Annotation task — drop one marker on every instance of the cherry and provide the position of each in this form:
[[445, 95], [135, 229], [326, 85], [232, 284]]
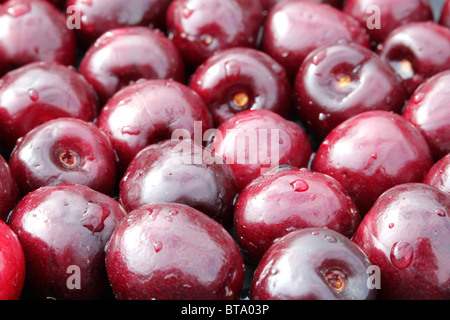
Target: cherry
[[286, 199], [269, 4], [180, 172], [63, 231], [417, 51], [294, 28], [313, 264], [183, 255], [34, 30], [372, 152], [444, 18], [9, 193], [240, 79], [39, 92], [64, 151], [406, 235], [198, 33], [339, 81], [439, 174], [150, 111]]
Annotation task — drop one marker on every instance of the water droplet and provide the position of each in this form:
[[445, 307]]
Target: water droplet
[[374, 156], [157, 246], [322, 116], [33, 94], [401, 254], [300, 185], [285, 54], [315, 233], [131, 131], [418, 97], [391, 225], [187, 12], [440, 212], [173, 212], [232, 69], [330, 238], [18, 9], [319, 57]]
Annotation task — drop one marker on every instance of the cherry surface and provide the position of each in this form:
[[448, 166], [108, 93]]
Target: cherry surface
[[287, 199], [239, 79], [64, 151], [121, 56], [439, 174], [34, 30], [171, 251], [372, 152], [39, 92], [198, 33], [444, 18], [9, 193], [62, 229], [406, 235], [429, 110], [339, 81], [313, 264], [269, 4], [160, 173]]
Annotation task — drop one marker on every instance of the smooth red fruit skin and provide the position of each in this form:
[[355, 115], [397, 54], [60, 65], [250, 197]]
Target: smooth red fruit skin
[[294, 28], [160, 173], [12, 268], [121, 56], [269, 4], [65, 227], [285, 200], [423, 46], [390, 14], [9, 193], [304, 265], [225, 75], [38, 158], [34, 30], [323, 101], [171, 251], [445, 14], [429, 110], [150, 111], [372, 152], [39, 92], [439, 174], [197, 32], [255, 141], [101, 16], [406, 235]]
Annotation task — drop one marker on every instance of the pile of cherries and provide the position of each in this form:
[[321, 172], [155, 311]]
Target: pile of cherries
[[138, 137]]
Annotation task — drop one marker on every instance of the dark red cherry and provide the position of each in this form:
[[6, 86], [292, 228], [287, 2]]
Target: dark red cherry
[[182, 255], [444, 18], [269, 4], [429, 110], [39, 92], [417, 51], [339, 81], [284, 200], [313, 264], [63, 231], [439, 174], [406, 235], [255, 141], [372, 152], [9, 193], [239, 79], [98, 16], [64, 151], [180, 172], [12, 268], [121, 56], [199, 28], [294, 28], [149, 111], [34, 30]]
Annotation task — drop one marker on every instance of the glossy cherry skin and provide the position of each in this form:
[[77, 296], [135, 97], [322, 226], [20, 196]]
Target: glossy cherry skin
[[198, 33], [255, 141], [294, 28], [39, 92], [390, 14], [121, 56], [9, 193], [286, 199], [339, 81], [100, 16], [269, 4], [372, 152], [417, 51], [406, 235], [439, 174], [239, 79], [64, 151], [429, 110], [62, 227], [312, 264], [159, 173], [150, 111], [182, 255], [444, 18], [34, 31]]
